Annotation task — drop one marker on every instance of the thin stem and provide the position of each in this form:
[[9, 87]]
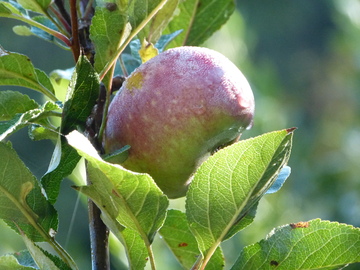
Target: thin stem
[[63, 254], [46, 29], [75, 42], [133, 34], [123, 67], [106, 106], [59, 27], [46, 115], [61, 19]]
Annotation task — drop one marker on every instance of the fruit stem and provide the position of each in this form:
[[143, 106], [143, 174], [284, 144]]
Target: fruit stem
[[106, 106]]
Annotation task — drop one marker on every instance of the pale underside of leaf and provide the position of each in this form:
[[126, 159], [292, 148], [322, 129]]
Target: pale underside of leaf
[[126, 199]]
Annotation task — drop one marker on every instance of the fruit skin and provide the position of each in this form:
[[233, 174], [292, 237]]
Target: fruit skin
[[175, 110]]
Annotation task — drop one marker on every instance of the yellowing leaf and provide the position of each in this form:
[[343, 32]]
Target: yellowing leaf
[[147, 51]]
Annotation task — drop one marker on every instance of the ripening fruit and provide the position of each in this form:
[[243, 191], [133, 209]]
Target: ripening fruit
[[175, 110]]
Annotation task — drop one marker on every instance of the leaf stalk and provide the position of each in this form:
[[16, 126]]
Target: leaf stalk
[[46, 29]]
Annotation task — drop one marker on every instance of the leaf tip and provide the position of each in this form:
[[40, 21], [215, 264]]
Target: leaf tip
[[290, 130]]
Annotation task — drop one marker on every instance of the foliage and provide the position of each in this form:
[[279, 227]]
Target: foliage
[[225, 191]]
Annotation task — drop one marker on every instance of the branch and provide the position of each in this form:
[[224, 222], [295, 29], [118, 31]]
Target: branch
[[99, 235], [75, 42]]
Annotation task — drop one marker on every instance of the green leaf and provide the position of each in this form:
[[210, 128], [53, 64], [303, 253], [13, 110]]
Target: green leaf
[[17, 69], [22, 30], [41, 33], [9, 262], [140, 9], [60, 80], [107, 31], [199, 19], [39, 6], [119, 156], [63, 162], [178, 237], [164, 40], [315, 244], [15, 106], [135, 249], [37, 132], [13, 102], [135, 246], [22, 204], [44, 80], [246, 217], [133, 61], [81, 96], [230, 183], [126, 198], [153, 30], [44, 259], [7, 8], [29, 117]]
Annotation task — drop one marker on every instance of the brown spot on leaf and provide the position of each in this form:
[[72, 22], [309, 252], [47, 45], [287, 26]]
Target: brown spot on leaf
[[115, 193], [275, 263], [183, 244], [300, 224]]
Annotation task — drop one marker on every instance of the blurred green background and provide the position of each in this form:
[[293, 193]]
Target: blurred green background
[[302, 59]]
